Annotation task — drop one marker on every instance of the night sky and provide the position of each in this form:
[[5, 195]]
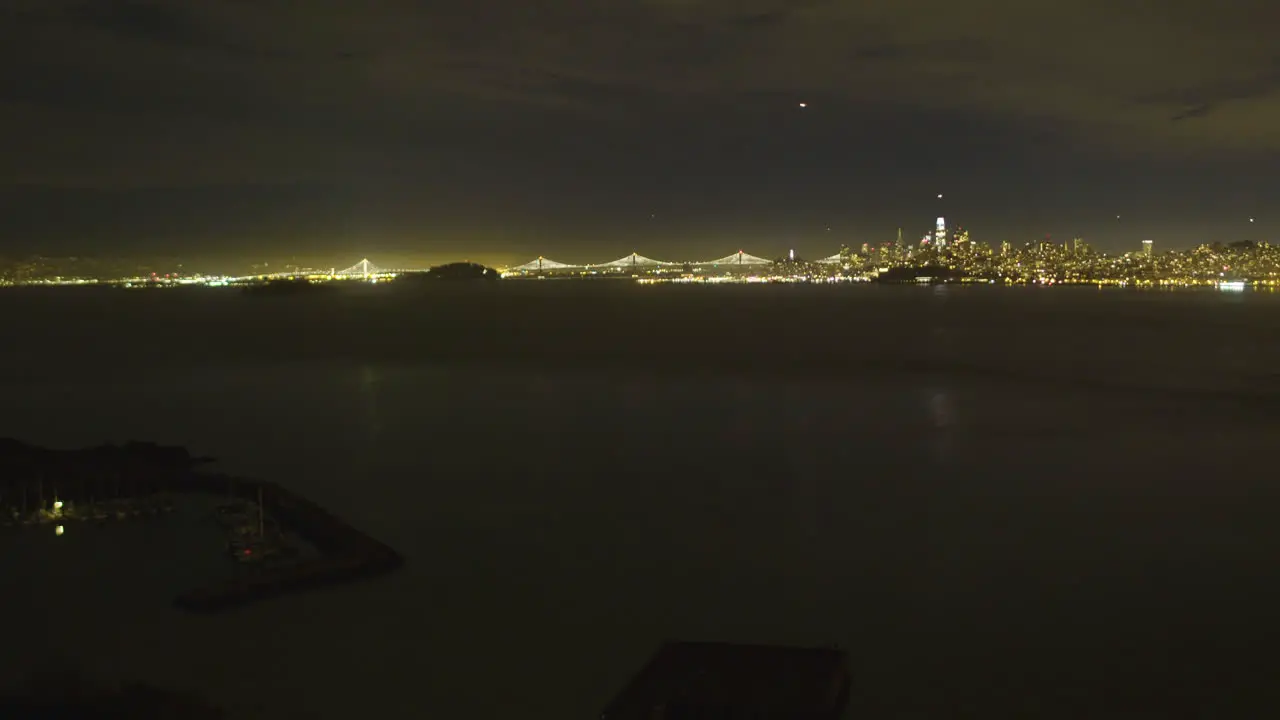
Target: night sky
[[585, 129]]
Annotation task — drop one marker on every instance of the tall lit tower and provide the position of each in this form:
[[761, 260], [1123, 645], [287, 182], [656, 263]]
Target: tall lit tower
[[1148, 248], [940, 233]]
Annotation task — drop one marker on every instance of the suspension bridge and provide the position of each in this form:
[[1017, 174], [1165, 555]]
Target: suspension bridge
[[638, 261], [365, 269]]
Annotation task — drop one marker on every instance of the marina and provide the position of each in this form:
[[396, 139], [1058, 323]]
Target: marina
[[288, 543]]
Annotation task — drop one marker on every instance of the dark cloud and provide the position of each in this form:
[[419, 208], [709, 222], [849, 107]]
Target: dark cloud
[[1111, 70], [166, 93], [168, 24]]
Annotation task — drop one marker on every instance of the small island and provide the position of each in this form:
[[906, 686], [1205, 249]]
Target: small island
[[460, 271]]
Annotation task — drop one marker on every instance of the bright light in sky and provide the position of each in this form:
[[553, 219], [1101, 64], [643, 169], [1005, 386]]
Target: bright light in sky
[[939, 196], [804, 105]]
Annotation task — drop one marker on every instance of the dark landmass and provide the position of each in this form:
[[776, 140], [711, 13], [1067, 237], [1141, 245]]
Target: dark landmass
[[19, 460], [456, 271]]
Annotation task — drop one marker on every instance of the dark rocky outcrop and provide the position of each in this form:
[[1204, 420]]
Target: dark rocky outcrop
[[461, 271]]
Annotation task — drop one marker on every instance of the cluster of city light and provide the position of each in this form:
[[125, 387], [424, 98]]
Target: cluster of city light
[[1230, 267], [937, 257], [638, 261], [54, 281], [746, 279]]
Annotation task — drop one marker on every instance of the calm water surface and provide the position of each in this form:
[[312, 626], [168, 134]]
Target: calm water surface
[[1002, 502]]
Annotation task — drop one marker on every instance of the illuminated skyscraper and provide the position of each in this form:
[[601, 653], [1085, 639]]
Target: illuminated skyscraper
[[1148, 248], [1077, 246], [1005, 247], [940, 233]]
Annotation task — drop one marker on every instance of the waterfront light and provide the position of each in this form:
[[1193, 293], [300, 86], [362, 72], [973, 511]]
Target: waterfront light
[[58, 530]]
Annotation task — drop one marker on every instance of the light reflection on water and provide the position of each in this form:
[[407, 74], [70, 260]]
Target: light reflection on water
[[947, 529]]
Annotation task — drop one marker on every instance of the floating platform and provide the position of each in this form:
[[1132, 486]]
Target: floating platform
[[141, 470], [723, 681]]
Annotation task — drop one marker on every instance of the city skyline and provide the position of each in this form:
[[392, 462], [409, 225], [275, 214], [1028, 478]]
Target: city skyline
[[209, 130], [812, 252], [953, 258]]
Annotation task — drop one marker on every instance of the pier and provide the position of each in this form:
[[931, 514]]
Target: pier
[[37, 483]]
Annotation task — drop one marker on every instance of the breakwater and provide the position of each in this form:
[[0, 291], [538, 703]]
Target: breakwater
[[346, 554], [32, 478]]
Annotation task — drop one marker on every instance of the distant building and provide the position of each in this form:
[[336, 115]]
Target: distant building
[[940, 233], [1005, 247], [1077, 246], [1148, 248]]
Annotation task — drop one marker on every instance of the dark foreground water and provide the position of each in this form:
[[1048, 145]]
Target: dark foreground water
[[1004, 502]]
